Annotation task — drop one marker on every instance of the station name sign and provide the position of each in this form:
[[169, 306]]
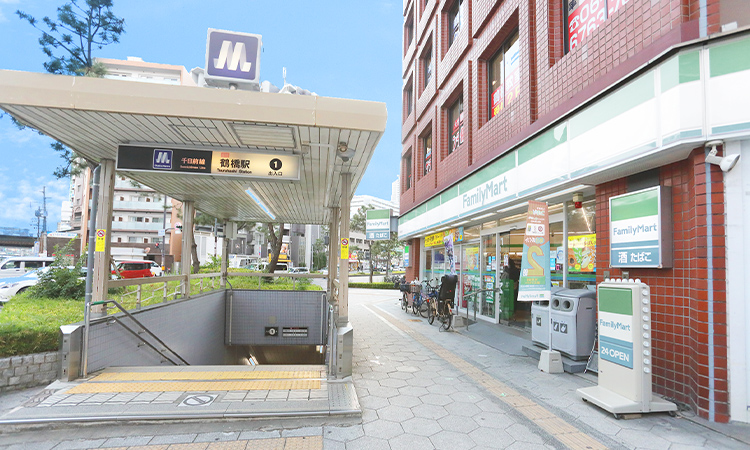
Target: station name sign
[[269, 166]]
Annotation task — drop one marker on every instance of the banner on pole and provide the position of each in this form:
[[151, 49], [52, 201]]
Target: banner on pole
[[535, 280]]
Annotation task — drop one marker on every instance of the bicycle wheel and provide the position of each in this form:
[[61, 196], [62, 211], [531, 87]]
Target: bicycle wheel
[[416, 302], [424, 308], [405, 302], [431, 313]]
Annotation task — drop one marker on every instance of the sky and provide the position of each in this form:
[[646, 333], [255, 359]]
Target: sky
[[345, 49]]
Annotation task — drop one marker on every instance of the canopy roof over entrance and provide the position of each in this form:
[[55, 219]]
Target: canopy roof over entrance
[[94, 116]]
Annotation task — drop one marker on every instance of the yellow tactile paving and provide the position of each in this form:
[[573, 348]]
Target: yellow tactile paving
[[207, 375], [564, 432], [304, 443], [181, 386]]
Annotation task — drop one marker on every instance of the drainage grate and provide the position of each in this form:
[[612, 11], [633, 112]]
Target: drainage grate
[[198, 400]]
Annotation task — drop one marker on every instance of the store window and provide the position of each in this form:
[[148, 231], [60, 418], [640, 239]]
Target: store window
[[427, 149], [488, 269], [504, 76], [581, 257], [456, 125], [454, 21]]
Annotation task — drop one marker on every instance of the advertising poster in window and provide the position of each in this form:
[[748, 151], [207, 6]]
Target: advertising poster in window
[[582, 253], [498, 100], [512, 73], [584, 17], [427, 160], [457, 137], [535, 281]]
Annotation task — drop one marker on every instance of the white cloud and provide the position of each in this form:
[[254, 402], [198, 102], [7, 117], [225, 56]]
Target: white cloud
[[3, 18], [23, 136]]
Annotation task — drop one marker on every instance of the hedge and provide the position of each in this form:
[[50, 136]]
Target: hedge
[[32, 325], [372, 285]]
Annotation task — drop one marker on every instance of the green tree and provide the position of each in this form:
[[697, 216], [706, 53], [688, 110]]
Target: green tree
[[61, 280], [359, 224], [69, 41], [320, 258]]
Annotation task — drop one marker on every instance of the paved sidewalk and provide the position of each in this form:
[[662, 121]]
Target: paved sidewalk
[[419, 389]]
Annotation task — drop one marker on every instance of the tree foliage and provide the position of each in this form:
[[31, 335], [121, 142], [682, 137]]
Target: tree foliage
[[61, 280], [359, 224], [69, 41]]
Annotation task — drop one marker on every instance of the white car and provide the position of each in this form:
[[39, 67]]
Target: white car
[[299, 270], [156, 269], [12, 286]]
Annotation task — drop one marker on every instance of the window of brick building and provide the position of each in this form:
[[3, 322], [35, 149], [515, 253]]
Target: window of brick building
[[583, 17], [456, 125], [504, 76], [426, 67], [454, 21], [427, 151], [408, 30], [409, 99], [407, 171]]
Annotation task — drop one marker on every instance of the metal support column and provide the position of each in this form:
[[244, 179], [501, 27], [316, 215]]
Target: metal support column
[[188, 213], [225, 254], [333, 248], [90, 273], [346, 181], [345, 332], [565, 245], [102, 256]]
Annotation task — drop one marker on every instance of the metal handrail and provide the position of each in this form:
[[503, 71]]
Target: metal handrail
[[474, 301], [130, 316]]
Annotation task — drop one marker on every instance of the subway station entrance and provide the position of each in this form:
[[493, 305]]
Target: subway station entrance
[[240, 156]]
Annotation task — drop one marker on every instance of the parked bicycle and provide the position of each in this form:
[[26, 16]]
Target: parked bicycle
[[442, 307]]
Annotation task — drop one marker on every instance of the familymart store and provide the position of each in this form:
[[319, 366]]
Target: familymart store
[[678, 127]]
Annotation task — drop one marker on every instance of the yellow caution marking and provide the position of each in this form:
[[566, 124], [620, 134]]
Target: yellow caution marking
[[178, 386], [207, 375]]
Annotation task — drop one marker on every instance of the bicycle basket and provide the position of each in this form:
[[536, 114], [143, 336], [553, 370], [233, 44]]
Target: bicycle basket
[[414, 288]]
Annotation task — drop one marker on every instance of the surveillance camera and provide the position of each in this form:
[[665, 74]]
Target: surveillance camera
[[726, 163]]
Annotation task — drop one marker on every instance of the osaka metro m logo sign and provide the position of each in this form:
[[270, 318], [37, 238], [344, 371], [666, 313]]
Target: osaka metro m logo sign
[[162, 159], [231, 55]]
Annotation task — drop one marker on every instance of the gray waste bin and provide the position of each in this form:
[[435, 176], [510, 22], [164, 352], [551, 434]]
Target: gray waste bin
[[573, 317], [540, 320]]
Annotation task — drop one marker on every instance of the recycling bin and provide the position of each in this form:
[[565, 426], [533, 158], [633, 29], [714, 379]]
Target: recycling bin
[[573, 317], [540, 320]]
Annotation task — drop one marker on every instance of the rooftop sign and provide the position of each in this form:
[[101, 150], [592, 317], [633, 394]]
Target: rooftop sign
[[233, 57], [270, 166]]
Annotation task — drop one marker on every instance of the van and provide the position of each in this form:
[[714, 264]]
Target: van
[[16, 266], [280, 267]]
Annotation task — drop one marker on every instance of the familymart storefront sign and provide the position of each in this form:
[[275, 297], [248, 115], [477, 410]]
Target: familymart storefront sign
[[640, 228]]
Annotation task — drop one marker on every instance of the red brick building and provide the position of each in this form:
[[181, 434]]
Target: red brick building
[[573, 102]]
